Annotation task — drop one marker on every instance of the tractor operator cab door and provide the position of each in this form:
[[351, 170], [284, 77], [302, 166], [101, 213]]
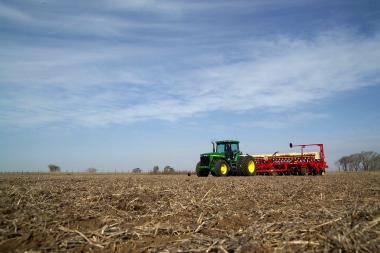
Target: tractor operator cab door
[[234, 149], [229, 149]]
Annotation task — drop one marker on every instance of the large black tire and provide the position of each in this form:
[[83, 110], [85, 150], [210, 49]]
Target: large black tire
[[201, 173], [249, 166], [222, 168], [303, 171], [239, 169]]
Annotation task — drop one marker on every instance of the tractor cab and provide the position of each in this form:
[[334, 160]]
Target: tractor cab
[[229, 148]]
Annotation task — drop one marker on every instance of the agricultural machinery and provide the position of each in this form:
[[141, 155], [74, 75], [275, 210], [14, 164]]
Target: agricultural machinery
[[303, 163], [227, 159]]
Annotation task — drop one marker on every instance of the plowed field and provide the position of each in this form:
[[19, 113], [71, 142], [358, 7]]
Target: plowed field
[[127, 213]]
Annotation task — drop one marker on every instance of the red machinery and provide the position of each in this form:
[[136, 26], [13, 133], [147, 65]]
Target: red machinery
[[312, 163]]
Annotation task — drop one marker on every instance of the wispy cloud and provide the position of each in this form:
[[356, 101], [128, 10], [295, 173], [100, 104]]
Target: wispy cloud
[[120, 70], [7, 12]]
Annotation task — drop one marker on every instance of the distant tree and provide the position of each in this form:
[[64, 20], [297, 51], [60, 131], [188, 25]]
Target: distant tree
[[354, 162], [136, 170], [54, 168], [374, 163], [364, 161], [168, 169], [369, 160], [339, 165], [91, 170], [156, 169]]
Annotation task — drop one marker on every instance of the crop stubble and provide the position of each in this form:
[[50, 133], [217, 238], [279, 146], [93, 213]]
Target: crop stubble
[[126, 213]]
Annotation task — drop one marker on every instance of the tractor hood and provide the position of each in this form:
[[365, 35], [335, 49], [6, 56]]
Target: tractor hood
[[213, 154]]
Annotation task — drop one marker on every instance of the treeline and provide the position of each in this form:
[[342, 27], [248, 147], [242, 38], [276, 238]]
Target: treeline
[[156, 170], [364, 161], [167, 170], [56, 168]]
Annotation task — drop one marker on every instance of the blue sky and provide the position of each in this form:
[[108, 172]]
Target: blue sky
[[124, 84]]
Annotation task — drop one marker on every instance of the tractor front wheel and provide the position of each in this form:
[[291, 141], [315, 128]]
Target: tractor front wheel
[[221, 168], [200, 172]]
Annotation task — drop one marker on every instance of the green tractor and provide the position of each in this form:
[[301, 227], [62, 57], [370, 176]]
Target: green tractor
[[224, 160]]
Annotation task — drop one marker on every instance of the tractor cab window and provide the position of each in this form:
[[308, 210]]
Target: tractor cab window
[[220, 148], [227, 148], [235, 148]]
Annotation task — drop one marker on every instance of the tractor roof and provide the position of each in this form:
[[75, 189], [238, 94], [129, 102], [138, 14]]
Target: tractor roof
[[224, 141]]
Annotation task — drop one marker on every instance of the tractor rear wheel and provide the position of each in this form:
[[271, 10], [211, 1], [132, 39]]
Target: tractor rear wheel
[[249, 166], [200, 172], [239, 169], [221, 168]]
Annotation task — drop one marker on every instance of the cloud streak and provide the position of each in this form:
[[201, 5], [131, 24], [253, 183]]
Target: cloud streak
[[137, 74]]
